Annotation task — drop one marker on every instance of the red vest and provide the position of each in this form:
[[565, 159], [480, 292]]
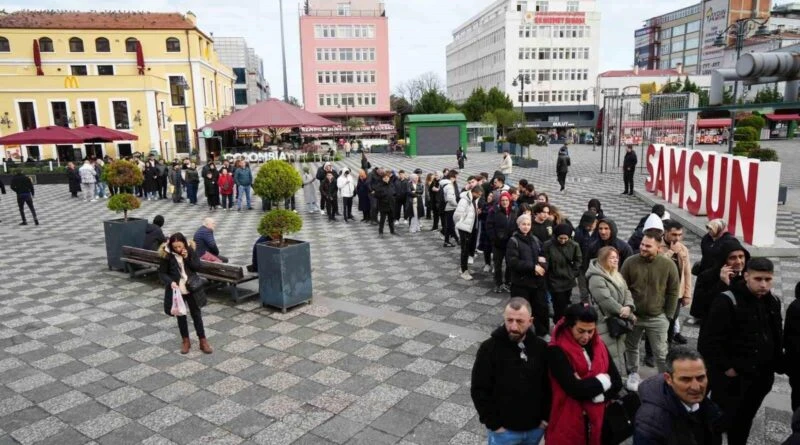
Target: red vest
[[567, 425]]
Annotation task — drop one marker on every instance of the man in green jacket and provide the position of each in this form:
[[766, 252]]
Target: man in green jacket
[[654, 283]]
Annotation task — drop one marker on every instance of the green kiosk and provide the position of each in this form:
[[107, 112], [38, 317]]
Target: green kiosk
[[435, 134]]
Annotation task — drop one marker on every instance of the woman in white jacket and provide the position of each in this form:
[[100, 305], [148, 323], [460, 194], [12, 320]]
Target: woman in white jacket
[[466, 220], [506, 165], [347, 188]]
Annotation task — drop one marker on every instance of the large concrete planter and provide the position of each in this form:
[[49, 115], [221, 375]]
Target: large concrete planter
[[488, 146], [525, 163], [118, 233], [284, 274]]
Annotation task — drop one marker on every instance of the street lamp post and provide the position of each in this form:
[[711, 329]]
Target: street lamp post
[[740, 28], [184, 86], [594, 96], [522, 80]]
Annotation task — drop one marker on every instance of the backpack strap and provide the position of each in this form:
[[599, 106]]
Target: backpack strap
[[730, 295]]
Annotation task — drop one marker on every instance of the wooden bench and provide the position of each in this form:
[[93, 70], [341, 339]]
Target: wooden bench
[[141, 261]]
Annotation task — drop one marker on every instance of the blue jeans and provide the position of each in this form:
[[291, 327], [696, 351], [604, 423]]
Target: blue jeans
[[531, 437], [191, 192], [100, 189], [243, 190]]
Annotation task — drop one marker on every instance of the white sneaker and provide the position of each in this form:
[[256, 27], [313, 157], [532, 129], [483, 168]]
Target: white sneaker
[[470, 260], [487, 268], [633, 382], [93, 200], [466, 276], [322, 212]]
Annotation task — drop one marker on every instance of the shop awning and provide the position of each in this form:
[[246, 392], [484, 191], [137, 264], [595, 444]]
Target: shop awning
[[713, 123], [96, 133], [783, 117], [43, 135], [272, 113], [653, 124]]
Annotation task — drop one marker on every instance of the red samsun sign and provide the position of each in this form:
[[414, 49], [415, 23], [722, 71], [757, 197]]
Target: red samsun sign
[[742, 191]]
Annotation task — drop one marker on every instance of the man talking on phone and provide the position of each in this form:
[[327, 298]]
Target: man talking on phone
[[728, 267]]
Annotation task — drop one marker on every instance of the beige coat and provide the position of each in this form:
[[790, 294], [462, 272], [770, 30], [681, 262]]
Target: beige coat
[[684, 266]]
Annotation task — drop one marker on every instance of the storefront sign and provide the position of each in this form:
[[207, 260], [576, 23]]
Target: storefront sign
[[261, 156], [742, 191], [560, 18], [715, 20]]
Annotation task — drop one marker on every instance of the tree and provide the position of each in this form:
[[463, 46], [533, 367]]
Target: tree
[[412, 90], [768, 95], [401, 107], [502, 118], [294, 101], [354, 123], [498, 100], [476, 105], [433, 102]]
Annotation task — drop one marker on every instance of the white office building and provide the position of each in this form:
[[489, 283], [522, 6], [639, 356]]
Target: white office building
[[554, 44], [250, 87]]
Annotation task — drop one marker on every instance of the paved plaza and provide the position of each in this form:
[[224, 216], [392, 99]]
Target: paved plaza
[[382, 356]]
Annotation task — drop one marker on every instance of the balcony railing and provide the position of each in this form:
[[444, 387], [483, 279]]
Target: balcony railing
[[380, 12]]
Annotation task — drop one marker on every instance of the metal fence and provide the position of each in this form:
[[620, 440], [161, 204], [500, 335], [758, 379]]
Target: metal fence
[[628, 121]]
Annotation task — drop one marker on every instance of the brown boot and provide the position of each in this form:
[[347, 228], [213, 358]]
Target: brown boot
[[185, 345], [205, 347]]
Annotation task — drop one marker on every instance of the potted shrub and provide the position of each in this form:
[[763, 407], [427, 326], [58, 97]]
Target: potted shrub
[[488, 144], [525, 137], [124, 231], [284, 265]]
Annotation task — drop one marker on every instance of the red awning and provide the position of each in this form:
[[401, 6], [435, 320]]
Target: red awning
[[95, 133], [37, 58], [271, 113], [783, 117], [44, 135], [713, 123], [140, 58], [654, 124]]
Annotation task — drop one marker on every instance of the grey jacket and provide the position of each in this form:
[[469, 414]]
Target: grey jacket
[[609, 297]]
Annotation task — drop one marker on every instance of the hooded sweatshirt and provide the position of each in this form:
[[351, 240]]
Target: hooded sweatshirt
[[708, 285], [622, 247], [346, 184], [654, 284], [794, 439]]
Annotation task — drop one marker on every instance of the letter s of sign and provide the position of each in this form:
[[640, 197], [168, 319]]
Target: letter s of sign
[[71, 82], [650, 158], [695, 204]]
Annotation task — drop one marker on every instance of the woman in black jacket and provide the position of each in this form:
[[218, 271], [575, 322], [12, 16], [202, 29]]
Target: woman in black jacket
[[526, 261], [179, 262], [74, 179]]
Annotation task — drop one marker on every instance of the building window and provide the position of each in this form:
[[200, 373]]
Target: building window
[[130, 44], [121, 121], [677, 46], [124, 150], [75, 45], [241, 76], [675, 62], [27, 115], [343, 9], [105, 70], [181, 138], [33, 152], [46, 45], [78, 70], [240, 97], [101, 45], [89, 113], [691, 60], [176, 89], [5, 47], [173, 45], [678, 30], [542, 6], [60, 116], [572, 5], [346, 54], [692, 43]]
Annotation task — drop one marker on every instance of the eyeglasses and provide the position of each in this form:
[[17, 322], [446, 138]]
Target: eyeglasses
[[522, 354]]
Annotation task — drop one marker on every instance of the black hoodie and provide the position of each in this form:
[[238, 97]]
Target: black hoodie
[[708, 285], [508, 391], [794, 439], [594, 246], [662, 418], [791, 336]]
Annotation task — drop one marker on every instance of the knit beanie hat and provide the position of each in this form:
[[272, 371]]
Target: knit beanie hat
[[562, 229]]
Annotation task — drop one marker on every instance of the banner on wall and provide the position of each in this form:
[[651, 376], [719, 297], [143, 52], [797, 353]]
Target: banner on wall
[[742, 191], [715, 20]]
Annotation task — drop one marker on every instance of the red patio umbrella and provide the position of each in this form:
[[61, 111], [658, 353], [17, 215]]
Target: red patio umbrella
[[37, 58], [96, 133], [139, 58], [271, 113], [44, 135]]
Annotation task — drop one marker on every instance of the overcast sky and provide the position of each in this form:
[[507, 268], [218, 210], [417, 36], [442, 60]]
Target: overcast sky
[[419, 30]]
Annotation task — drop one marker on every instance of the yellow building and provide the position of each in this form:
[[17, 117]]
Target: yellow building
[[155, 75]]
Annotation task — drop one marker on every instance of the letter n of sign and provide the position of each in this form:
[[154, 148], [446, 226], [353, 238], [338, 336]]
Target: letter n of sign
[[71, 82]]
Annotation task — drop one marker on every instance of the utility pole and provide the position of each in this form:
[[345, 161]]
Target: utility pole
[[283, 54]]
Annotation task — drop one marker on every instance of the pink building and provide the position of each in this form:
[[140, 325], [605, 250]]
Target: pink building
[[344, 46]]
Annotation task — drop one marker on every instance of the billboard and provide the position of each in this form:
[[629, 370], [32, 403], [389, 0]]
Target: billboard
[[715, 20], [644, 51]]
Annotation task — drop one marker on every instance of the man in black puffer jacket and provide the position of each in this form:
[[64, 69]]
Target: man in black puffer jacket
[[510, 383], [675, 408], [742, 341]]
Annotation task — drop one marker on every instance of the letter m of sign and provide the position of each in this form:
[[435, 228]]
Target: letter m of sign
[[71, 82]]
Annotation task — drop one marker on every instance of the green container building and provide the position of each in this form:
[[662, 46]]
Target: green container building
[[435, 134]]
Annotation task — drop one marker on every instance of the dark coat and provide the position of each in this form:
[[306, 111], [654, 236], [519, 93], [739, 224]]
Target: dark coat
[[563, 264], [522, 255], [663, 420], [205, 241], [791, 339], [329, 190], [630, 161], [562, 163], [362, 190], [500, 226], [74, 179], [794, 439], [708, 285], [22, 184], [211, 188], [507, 391], [622, 247], [415, 191], [150, 183], [384, 193], [169, 272], [709, 251], [747, 337], [153, 237], [365, 164]]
